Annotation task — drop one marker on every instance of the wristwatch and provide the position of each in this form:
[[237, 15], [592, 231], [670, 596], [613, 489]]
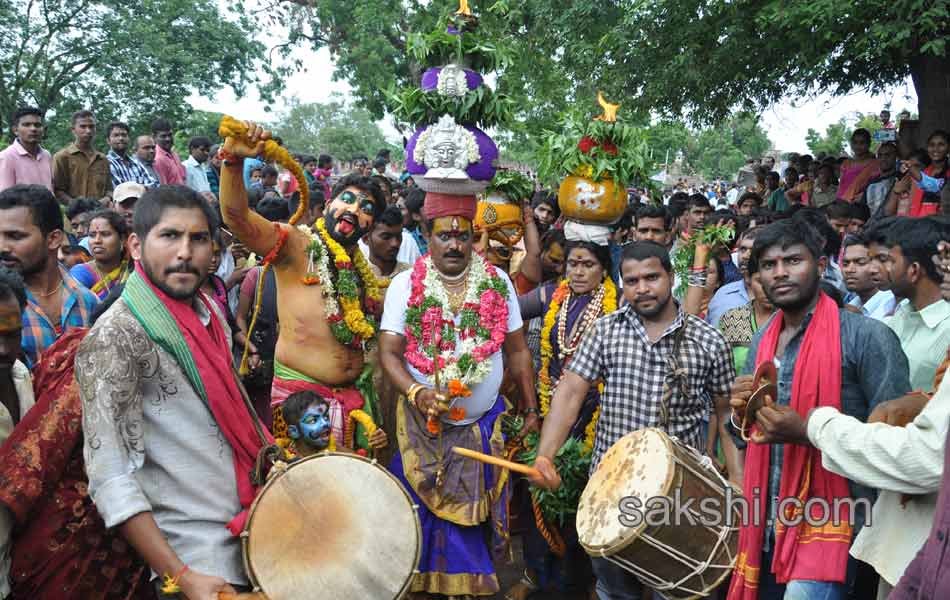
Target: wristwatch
[[531, 410]]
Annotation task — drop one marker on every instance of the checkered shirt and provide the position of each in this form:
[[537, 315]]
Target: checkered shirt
[[128, 169], [633, 369], [39, 332]]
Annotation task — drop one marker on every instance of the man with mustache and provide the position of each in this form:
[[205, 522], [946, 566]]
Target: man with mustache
[[824, 356], [170, 440], [455, 306], [328, 301], [31, 232], [631, 351]]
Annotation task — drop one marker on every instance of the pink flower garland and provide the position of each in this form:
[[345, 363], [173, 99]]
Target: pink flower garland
[[492, 315]]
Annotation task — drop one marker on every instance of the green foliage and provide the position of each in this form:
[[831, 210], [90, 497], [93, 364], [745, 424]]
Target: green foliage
[[561, 154], [479, 107], [711, 236], [335, 128], [469, 49], [834, 141], [124, 60], [511, 184], [573, 465]]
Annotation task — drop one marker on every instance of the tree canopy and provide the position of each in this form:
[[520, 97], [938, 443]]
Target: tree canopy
[[699, 59], [124, 60], [335, 127]]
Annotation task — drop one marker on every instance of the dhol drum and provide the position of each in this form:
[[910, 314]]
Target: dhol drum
[[680, 555], [332, 526]]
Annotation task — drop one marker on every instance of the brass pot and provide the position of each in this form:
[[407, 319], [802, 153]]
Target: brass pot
[[588, 201]]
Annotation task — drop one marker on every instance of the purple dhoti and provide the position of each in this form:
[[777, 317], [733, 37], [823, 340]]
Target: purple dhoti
[[465, 519]]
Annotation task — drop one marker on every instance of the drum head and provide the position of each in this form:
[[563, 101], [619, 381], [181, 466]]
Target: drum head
[[640, 465], [332, 526]]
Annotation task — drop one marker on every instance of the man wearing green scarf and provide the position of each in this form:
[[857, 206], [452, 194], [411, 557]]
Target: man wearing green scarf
[[170, 442]]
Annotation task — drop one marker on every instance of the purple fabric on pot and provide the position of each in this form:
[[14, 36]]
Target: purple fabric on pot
[[483, 170], [430, 79], [411, 165]]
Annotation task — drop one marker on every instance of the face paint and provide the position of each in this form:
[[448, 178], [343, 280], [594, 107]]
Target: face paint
[[349, 216], [452, 226], [314, 426]]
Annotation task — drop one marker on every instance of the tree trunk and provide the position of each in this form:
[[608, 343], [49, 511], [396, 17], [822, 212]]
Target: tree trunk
[[931, 76]]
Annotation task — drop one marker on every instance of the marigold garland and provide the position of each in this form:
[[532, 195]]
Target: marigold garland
[[545, 391], [351, 326]]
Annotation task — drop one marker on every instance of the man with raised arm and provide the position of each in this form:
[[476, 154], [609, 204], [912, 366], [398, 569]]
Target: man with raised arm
[[328, 302]]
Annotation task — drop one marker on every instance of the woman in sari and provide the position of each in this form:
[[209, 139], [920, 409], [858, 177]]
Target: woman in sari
[[569, 308], [926, 183], [858, 171], [110, 260]]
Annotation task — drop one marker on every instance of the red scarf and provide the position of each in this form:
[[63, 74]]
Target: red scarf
[[800, 552], [212, 355]]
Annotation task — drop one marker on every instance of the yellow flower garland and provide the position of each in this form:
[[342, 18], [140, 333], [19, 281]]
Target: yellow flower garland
[[353, 314], [547, 352]]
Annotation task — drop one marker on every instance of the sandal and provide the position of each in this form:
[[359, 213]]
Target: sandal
[[524, 589]]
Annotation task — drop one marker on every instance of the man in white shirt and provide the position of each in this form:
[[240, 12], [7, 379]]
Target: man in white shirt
[[196, 176]]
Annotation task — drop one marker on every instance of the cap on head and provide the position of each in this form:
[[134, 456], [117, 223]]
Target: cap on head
[[129, 190]]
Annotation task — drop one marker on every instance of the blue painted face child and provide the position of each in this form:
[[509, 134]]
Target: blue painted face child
[[313, 428]]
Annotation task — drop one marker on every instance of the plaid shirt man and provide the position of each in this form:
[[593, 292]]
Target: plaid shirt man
[[634, 369], [39, 332], [125, 169]]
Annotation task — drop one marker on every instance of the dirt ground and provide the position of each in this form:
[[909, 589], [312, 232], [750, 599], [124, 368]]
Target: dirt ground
[[510, 572]]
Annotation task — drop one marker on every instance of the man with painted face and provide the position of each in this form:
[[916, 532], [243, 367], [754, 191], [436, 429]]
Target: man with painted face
[[326, 306], [429, 311]]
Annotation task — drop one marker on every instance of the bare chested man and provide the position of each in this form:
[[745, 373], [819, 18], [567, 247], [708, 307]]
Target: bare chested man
[[312, 353]]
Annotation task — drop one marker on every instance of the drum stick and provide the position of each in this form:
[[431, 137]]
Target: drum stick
[[236, 596], [498, 462]]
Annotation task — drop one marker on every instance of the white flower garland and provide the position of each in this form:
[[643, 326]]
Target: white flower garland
[[331, 306]]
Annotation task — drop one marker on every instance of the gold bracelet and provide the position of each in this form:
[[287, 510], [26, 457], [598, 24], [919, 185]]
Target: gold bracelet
[[412, 392]]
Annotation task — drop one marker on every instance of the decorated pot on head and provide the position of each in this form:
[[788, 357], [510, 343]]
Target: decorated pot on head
[[500, 209], [449, 158], [607, 157], [583, 199], [449, 153]]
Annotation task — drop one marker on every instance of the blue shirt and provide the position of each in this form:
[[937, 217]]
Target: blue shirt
[[732, 295], [39, 332], [249, 165], [873, 370]]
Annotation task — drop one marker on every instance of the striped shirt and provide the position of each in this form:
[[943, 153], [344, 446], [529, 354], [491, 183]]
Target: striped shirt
[[123, 169], [39, 332]]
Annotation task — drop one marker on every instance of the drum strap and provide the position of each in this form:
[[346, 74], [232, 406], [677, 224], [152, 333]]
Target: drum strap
[[676, 378]]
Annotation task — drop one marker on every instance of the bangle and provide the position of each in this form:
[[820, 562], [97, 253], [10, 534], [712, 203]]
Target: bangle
[[170, 584], [412, 392]]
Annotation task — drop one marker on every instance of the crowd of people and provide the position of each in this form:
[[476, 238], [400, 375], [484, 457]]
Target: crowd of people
[[166, 322]]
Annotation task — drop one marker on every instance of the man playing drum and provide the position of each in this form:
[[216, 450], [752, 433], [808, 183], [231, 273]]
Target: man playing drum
[[660, 368], [327, 295], [455, 306]]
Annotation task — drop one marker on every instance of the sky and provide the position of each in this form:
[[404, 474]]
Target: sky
[[786, 123]]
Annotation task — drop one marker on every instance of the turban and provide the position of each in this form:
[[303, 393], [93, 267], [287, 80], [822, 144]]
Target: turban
[[449, 205]]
